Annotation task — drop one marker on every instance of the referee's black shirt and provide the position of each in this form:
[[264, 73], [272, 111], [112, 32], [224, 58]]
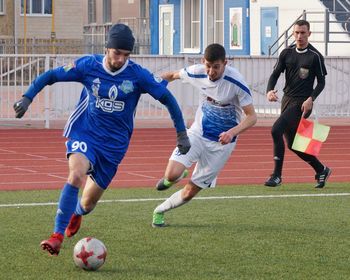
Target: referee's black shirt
[[301, 66]]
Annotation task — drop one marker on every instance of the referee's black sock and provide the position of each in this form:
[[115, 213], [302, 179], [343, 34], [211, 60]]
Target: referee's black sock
[[278, 166]]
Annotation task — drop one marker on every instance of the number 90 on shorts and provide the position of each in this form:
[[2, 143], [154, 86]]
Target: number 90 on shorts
[[74, 146], [79, 146]]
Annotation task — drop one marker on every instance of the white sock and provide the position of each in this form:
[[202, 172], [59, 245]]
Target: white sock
[[175, 200]]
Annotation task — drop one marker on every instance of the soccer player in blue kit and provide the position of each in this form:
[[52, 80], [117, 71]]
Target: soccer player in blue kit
[[98, 132]]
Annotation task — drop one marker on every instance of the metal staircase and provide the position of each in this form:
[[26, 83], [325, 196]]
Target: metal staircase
[[342, 7], [325, 27]]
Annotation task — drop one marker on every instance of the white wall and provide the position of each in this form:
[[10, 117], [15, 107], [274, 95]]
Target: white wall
[[55, 103], [288, 12]]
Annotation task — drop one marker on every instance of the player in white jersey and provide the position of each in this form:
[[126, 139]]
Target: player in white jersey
[[224, 95], [99, 130]]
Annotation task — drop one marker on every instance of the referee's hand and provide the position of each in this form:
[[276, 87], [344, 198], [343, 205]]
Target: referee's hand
[[306, 107], [272, 95]]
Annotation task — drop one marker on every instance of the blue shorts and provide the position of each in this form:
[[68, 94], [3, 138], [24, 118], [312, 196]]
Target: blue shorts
[[103, 164]]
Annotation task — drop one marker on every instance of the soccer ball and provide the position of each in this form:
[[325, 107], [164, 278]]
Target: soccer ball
[[89, 253]]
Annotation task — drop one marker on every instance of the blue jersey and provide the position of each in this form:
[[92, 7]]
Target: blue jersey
[[102, 123], [108, 101], [106, 108]]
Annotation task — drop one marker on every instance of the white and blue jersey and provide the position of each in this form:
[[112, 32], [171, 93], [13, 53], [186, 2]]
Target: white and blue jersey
[[102, 123], [221, 103]]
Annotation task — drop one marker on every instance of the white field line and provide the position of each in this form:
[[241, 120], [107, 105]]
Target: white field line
[[196, 198]]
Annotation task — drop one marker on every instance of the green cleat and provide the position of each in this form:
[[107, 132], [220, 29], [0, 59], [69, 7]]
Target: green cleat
[[164, 184], [158, 220]]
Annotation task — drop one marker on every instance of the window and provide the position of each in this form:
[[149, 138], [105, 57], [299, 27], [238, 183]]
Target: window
[[91, 11], [107, 11], [144, 8], [191, 25], [2, 7], [214, 32], [37, 7]]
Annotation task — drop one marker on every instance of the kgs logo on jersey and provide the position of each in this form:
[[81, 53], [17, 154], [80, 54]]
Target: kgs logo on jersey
[[110, 105]]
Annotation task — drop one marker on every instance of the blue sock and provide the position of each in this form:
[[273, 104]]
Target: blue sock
[[66, 205], [79, 210]]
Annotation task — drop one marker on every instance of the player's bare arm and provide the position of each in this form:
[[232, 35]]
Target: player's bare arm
[[250, 120], [171, 76]]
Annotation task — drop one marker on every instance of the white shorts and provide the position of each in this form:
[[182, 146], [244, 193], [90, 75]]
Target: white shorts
[[209, 156]]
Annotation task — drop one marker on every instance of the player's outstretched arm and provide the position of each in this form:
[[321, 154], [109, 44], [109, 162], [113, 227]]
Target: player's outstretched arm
[[49, 77], [171, 76], [21, 106], [183, 143]]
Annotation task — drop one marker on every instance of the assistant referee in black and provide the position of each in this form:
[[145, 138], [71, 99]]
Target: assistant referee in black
[[302, 63]]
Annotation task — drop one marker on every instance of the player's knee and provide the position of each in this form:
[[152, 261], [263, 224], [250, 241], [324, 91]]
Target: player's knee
[[76, 178]]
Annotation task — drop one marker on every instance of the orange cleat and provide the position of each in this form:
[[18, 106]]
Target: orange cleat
[[53, 244], [74, 225]]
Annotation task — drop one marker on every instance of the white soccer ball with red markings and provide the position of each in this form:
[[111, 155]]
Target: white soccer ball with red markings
[[89, 253]]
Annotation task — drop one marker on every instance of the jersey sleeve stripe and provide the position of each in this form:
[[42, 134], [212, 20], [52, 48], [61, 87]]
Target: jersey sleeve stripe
[[75, 115], [199, 76], [319, 61], [237, 83]]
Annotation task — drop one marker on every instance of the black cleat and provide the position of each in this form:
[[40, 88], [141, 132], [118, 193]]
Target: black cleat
[[322, 177], [273, 181], [163, 184]]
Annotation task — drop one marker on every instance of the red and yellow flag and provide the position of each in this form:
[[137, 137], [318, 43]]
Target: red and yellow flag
[[310, 136]]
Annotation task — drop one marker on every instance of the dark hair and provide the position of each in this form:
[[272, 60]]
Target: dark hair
[[302, 22], [214, 52]]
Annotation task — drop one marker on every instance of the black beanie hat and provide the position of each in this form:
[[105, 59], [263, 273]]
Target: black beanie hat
[[120, 37]]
